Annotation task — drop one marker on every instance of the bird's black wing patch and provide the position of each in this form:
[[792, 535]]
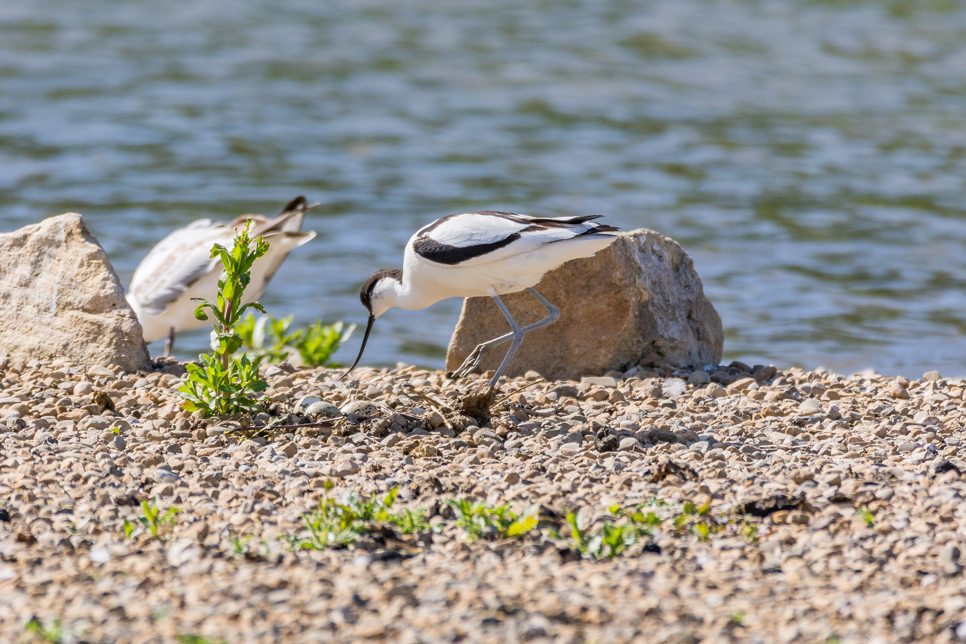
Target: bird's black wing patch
[[451, 255]]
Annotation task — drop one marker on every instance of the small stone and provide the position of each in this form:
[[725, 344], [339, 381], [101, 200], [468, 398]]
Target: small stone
[[884, 493], [424, 450], [601, 381], [701, 446], [907, 446], [742, 385], [931, 376], [216, 430], [810, 406], [287, 449], [714, 390], [699, 378], [344, 467], [765, 373], [511, 478], [98, 371], [949, 560], [82, 388], [629, 444], [898, 391]]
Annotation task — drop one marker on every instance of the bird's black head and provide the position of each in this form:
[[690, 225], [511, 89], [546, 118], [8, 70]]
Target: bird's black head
[[365, 295]]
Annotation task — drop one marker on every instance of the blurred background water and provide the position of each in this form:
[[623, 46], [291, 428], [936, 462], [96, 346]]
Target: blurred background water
[[810, 156]]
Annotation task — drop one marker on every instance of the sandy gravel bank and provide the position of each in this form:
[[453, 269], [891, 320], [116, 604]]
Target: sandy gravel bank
[[786, 507]]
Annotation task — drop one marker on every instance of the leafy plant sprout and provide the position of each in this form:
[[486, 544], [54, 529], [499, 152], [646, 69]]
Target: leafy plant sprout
[[223, 384], [53, 633], [337, 523], [479, 519], [866, 515], [152, 520], [268, 338]]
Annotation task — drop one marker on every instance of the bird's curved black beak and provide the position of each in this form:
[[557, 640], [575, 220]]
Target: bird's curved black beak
[[365, 338]]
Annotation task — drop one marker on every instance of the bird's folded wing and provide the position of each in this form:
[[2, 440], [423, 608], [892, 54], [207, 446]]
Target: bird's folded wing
[[175, 265], [470, 239]]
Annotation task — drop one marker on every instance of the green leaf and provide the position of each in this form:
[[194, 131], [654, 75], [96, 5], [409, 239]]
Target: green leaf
[[522, 525]]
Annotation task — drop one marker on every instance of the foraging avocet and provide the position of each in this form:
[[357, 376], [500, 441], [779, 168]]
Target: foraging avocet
[[475, 254], [180, 267]]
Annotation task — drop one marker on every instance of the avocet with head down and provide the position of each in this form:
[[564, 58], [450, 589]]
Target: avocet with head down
[[486, 253]]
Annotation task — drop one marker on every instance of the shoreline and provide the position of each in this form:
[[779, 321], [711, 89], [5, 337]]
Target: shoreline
[[832, 508]]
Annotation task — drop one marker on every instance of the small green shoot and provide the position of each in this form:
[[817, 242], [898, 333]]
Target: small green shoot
[[702, 530], [618, 531], [866, 515], [268, 338], [53, 634], [478, 519], [239, 546], [116, 430], [128, 528], [738, 618], [749, 531], [197, 639], [340, 523], [153, 520]]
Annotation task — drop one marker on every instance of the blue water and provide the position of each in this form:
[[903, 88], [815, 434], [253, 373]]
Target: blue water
[[810, 156]]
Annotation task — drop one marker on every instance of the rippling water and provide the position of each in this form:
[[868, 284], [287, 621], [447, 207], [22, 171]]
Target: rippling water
[[810, 156]]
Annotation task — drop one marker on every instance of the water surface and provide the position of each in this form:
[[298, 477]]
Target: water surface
[[810, 156]]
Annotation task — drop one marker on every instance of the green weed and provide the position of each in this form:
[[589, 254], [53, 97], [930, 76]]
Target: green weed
[[478, 519], [239, 546], [226, 385], [197, 639], [341, 523], [53, 634], [866, 515], [152, 519], [749, 531], [268, 338], [615, 535]]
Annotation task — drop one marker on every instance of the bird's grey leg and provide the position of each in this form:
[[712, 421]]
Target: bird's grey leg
[[168, 343], [514, 345], [477, 354]]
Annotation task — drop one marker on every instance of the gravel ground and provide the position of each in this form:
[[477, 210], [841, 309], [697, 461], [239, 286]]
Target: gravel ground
[[787, 506]]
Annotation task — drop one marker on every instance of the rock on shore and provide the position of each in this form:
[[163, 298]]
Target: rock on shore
[[638, 300], [60, 298], [788, 506]]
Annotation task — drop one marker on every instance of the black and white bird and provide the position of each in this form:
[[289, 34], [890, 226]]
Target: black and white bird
[[180, 267], [486, 253]]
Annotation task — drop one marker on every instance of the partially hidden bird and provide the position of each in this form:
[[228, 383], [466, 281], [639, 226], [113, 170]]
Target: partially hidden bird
[[181, 267], [485, 253]]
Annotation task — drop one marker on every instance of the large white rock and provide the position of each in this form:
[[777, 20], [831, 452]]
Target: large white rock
[[60, 298], [639, 299]]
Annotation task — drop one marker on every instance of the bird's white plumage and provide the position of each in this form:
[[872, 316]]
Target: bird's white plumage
[[512, 267], [479, 254], [180, 267]]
